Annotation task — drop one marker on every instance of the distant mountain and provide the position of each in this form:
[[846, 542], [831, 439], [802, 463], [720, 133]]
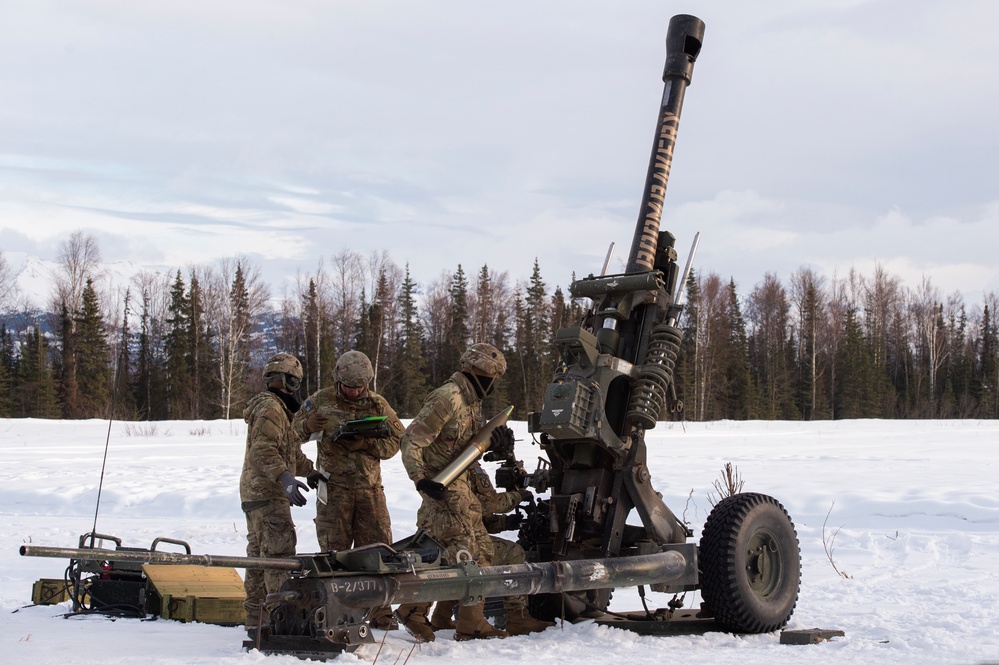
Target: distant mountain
[[36, 278]]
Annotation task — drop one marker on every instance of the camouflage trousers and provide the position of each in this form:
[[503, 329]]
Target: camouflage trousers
[[456, 523], [508, 553], [353, 517], [270, 532], [505, 553]]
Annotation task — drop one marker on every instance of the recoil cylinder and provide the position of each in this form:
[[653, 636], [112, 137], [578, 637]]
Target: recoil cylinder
[[648, 397]]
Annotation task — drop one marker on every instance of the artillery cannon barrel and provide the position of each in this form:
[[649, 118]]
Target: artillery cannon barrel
[[470, 584], [170, 558], [683, 44]]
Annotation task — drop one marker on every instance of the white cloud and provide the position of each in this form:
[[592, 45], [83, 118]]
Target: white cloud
[[829, 134]]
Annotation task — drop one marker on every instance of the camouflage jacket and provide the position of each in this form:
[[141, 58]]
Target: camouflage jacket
[[495, 505], [450, 416], [273, 446], [353, 463]]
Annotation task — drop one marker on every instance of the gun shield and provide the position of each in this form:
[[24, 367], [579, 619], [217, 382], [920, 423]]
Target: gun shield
[[477, 445]]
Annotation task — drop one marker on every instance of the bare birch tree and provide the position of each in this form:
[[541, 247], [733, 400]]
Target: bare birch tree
[[926, 317], [808, 297], [384, 280], [79, 258], [236, 297], [8, 284], [711, 329], [346, 284], [435, 317]]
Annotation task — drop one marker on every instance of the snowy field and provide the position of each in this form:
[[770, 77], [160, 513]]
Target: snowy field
[[915, 510]]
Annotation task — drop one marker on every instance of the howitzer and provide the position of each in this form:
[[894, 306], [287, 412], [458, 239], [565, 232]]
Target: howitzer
[[614, 383]]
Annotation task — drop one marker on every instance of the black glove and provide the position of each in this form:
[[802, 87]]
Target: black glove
[[526, 495], [432, 489], [501, 439], [293, 488], [314, 478], [513, 522]]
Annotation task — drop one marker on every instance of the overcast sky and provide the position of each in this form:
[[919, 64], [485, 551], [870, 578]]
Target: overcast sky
[[830, 133]]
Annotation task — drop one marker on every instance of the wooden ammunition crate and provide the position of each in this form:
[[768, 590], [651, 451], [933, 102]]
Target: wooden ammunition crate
[[49, 591], [198, 593]]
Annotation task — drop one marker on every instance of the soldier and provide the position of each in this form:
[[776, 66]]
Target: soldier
[[497, 516], [267, 485], [449, 418], [355, 512]]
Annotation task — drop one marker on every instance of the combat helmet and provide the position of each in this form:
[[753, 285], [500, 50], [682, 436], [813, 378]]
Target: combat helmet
[[353, 370], [286, 367], [483, 360]]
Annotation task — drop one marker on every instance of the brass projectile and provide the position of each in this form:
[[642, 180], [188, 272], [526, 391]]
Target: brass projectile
[[476, 447]]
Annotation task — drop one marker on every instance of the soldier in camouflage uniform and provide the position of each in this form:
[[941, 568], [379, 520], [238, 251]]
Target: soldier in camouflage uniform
[[449, 418], [355, 512], [497, 516], [267, 485]]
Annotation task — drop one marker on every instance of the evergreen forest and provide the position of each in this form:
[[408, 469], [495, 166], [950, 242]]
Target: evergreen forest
[[190, 345]]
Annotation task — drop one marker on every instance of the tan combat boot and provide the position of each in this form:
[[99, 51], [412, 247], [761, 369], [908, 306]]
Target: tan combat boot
[[520, 622], [383, 619], [442, 617], [414, 619], [472, 624]]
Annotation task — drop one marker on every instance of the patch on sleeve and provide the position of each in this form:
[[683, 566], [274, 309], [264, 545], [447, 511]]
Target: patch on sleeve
[[438, 413], [442, 410]]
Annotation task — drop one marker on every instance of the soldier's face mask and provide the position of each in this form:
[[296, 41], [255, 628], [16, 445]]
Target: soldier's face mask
[[484, 385]]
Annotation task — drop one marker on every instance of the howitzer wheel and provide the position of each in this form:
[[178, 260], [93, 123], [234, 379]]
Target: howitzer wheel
[[750, 564]]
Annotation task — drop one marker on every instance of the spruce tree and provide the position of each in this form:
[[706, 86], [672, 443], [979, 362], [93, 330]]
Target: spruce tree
[[739, 400], [7, 372], [205, 396], [410, 387], [122, 369], [311, 325], [456, 340], [380, 354], [517, 361], [66, 369], [178, 382], [856, 371], [988, 366], [150, 385], [234, 347], [37, 393], [959, 367], [685, 375], [538, 334], [92, 354]]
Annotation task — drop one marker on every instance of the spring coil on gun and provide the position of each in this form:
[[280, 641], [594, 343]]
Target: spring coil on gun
[[648, 397]]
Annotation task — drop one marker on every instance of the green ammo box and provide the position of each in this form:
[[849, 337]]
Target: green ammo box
[[197, 593]]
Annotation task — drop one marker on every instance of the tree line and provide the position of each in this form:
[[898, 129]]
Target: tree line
[[190, 345]]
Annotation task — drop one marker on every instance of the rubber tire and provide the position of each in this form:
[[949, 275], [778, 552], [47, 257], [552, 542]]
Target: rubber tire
[[742, 602]]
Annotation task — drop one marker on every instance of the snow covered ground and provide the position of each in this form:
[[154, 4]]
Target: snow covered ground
[[914, 502]]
